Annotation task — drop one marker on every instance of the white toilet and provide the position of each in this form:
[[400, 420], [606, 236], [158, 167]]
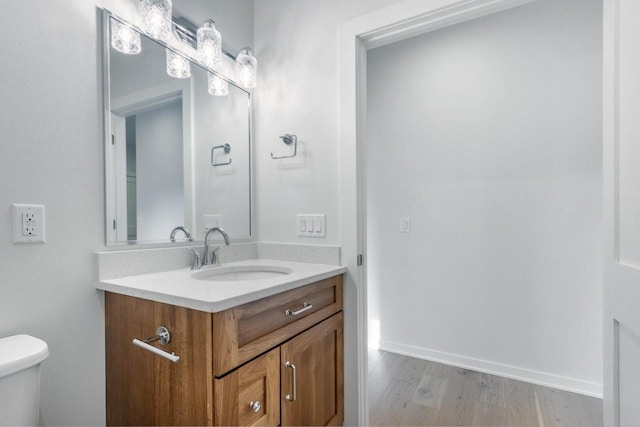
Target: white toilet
[[20, 358]]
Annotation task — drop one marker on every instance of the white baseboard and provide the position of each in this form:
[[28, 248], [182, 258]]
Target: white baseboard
[[520, 374]]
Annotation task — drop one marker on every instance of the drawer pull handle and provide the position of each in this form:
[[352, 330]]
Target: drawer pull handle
[[306, 306], [162, 335], [289, 397], [255, 406]]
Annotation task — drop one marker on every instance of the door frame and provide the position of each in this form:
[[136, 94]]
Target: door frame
[[617, 275], [396, 22]]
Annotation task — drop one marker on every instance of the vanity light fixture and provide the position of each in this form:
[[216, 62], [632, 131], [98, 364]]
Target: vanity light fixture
[[124, 38], [246, 65], [156, 15], [209, 44], [159, 23], [177, 65], [217, 86]]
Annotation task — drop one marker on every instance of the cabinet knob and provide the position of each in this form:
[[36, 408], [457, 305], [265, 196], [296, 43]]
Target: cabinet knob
[[255, 406]]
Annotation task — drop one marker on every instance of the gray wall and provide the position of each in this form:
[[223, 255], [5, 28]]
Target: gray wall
[[51, 122], [488, 135]]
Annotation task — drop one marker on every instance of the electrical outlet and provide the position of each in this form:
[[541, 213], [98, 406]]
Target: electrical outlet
[[405, 225], [211, 221], [28, 223]]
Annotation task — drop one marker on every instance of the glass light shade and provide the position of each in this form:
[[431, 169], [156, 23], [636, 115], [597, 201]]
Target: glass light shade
[[217, 86], [246, 66], [156, 15], [177, 65], [124, 38], [209, 44]]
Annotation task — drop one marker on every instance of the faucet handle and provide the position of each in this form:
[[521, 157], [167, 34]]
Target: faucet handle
[[195, 265], [214, 256]]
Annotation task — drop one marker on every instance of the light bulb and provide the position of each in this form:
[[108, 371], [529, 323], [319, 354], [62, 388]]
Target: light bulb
[[217, 86], [246, 66], [177, 65], [209, 44], [156, 15], [124, 38]]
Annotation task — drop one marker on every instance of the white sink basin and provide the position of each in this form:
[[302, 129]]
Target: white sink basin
[[241, 273]]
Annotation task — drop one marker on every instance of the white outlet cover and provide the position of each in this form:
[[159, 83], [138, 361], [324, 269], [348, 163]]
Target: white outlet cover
[[405, 225], [211, 220], [20, 212]]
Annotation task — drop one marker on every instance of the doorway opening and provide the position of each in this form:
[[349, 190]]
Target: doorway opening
[[479, 198]]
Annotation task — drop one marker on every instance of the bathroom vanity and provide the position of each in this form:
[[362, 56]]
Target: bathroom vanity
[[257, 352], [255, 342]]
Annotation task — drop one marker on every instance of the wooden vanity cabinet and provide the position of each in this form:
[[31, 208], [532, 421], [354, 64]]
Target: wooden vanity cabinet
[[250, 395], [233, 365], [316, 355], [243, 332], [319, 365], [145, 389]]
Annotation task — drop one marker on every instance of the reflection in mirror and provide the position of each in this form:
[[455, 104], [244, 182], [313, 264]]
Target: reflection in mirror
[[162, 169]]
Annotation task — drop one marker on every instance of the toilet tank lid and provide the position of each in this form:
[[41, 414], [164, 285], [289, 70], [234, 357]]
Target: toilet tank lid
[[20, 352]]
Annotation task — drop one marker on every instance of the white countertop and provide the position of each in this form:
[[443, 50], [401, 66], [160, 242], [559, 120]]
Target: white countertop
[[177, 287]]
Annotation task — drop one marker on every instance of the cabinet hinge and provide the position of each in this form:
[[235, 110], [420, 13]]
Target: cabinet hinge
[[114, 224], [113, 139], [360, 259]]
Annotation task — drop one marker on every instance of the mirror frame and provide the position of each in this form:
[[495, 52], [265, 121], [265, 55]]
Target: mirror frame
[[109, 190]]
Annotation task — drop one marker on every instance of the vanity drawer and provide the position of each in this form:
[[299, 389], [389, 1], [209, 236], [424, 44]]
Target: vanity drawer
[[242, 333], [250, 395]]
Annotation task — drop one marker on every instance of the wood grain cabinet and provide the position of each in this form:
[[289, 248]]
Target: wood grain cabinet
[[275, 361], [250, 395], [312, 376]]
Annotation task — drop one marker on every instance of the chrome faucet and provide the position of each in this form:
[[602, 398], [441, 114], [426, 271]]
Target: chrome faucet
[[213, 257], [184, 230]]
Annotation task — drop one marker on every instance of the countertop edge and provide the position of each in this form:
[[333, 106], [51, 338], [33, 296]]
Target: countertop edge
[[217, 306]]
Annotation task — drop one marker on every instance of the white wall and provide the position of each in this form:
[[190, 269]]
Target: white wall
[[159, 172], [221, 190], [51, 123], [233, 18], [488, 135], [131, 74], [296, 46]]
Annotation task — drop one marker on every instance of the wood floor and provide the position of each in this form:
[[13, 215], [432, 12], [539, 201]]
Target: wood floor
[[404, 391]]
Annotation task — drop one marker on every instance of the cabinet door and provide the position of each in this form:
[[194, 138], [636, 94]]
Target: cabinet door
[[145, 389], [250, 395], [312, 376]]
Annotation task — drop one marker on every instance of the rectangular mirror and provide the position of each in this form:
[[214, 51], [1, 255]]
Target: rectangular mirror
[[175, 154]]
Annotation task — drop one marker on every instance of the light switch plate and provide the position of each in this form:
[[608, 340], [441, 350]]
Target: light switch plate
[[311, 225], [29, 225]]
